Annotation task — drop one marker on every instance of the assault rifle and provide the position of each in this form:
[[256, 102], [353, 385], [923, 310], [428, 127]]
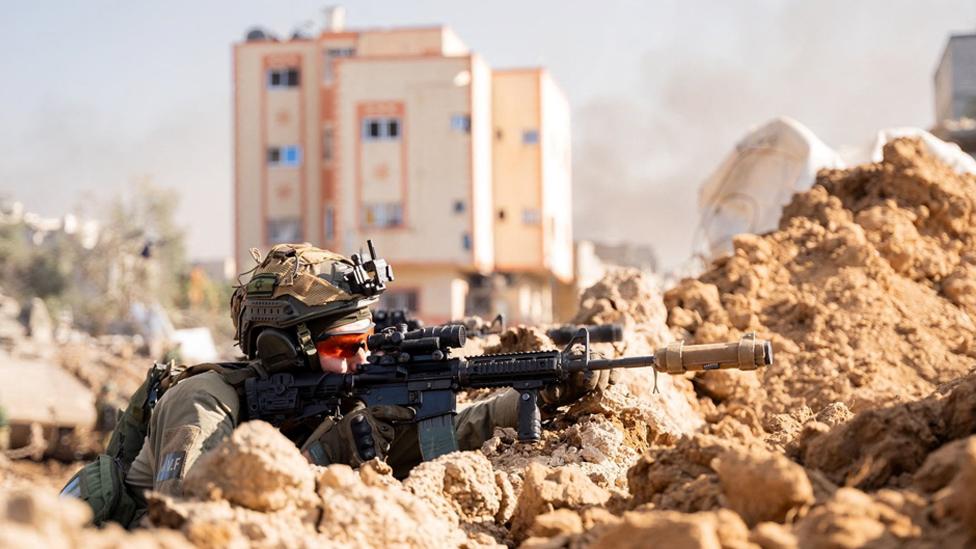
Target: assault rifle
[[414, 369]]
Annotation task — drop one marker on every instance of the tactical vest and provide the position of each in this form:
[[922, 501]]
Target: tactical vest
[[101, 483]]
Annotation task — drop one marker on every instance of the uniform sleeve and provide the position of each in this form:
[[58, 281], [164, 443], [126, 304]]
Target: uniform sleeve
[[476, 423], [189, 419]]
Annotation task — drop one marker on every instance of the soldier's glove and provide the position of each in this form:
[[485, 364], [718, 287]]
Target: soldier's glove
[[578, 385], [359, 436]]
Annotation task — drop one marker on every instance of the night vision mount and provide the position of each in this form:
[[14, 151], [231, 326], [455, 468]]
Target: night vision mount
[[369, 278]]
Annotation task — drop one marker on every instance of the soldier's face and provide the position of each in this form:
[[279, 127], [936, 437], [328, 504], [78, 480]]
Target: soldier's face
[[342, 365]]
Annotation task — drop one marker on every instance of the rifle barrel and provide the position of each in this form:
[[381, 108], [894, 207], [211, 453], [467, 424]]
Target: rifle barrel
[[748, 353]]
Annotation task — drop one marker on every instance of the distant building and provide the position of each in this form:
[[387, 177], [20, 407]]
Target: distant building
[[955, 79], [955, 92], [456, 171]]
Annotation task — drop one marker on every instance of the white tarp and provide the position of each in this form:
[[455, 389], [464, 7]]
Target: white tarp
[[948, 153], [749, 189], [747, 192]]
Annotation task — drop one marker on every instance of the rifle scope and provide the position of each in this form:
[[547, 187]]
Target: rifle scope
[[429, 338]]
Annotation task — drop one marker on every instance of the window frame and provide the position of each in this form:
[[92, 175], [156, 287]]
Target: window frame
[[384, 126], [295, 222], [284, 156], [287, 78]]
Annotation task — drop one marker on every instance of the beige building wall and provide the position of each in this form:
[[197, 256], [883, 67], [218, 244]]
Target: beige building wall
[[557, 181], [432, 171], [438, 293], [401, 42], [267, 117], [517, 164]]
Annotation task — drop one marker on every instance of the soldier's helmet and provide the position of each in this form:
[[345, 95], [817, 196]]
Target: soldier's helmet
[[304, 291]]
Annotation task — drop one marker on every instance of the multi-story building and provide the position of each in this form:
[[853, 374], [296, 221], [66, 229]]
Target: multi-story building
[[955, 92], [459, 174], [955, 79]]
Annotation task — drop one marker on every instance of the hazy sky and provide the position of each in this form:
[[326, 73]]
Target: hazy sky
[[99, 94]]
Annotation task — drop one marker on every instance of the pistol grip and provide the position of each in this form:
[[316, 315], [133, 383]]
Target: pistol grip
[[529, 417]]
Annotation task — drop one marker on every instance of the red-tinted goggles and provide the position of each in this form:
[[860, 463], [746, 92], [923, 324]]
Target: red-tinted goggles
[[342, 345]]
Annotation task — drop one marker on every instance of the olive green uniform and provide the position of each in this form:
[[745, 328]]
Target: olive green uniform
[[197, 413]]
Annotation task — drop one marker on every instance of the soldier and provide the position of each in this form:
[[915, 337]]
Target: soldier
[[298, 305]]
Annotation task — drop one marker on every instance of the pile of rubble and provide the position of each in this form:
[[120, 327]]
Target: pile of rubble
[[59, 389], [860, 434]]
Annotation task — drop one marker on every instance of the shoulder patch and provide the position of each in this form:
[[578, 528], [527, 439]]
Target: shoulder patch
[[171, 467], [262, 285]]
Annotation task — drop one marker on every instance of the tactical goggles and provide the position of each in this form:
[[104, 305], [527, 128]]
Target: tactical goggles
[[344, 341]]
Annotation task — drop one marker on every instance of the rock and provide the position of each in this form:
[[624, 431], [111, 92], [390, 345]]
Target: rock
[[556, 523], [462, 485], [256, 467], [39, 518], [521, 339], [853, 519], [675, 530], [941, 466], [876, 445], [762, 486], [679, 478], [358, 515], [770, 535], [960, 500], [545, 490]]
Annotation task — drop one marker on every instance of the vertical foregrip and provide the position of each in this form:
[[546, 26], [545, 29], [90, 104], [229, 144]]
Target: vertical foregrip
[[529, 417]]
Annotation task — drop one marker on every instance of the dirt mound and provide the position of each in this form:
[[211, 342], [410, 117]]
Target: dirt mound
[[863, 432], [255, 468], [39, 518], [865, 289], [281, 500]]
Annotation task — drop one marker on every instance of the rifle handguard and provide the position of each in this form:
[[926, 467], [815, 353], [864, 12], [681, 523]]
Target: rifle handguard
[[748, 353]]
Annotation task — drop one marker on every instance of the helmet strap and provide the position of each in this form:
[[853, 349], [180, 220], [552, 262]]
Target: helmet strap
[[305, 340]]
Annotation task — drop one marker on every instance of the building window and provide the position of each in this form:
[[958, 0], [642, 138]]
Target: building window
[[328, 223], [393, 300], [284, 230], [530, 137], [466, 241], [327, 138], [461, 123], [283, 78], [530, 216], [458, 206], [375, 129], [383, 215], [289, 155]]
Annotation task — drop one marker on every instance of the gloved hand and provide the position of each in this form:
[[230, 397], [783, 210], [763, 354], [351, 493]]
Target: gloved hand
[[359, 436], [577, 386]]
